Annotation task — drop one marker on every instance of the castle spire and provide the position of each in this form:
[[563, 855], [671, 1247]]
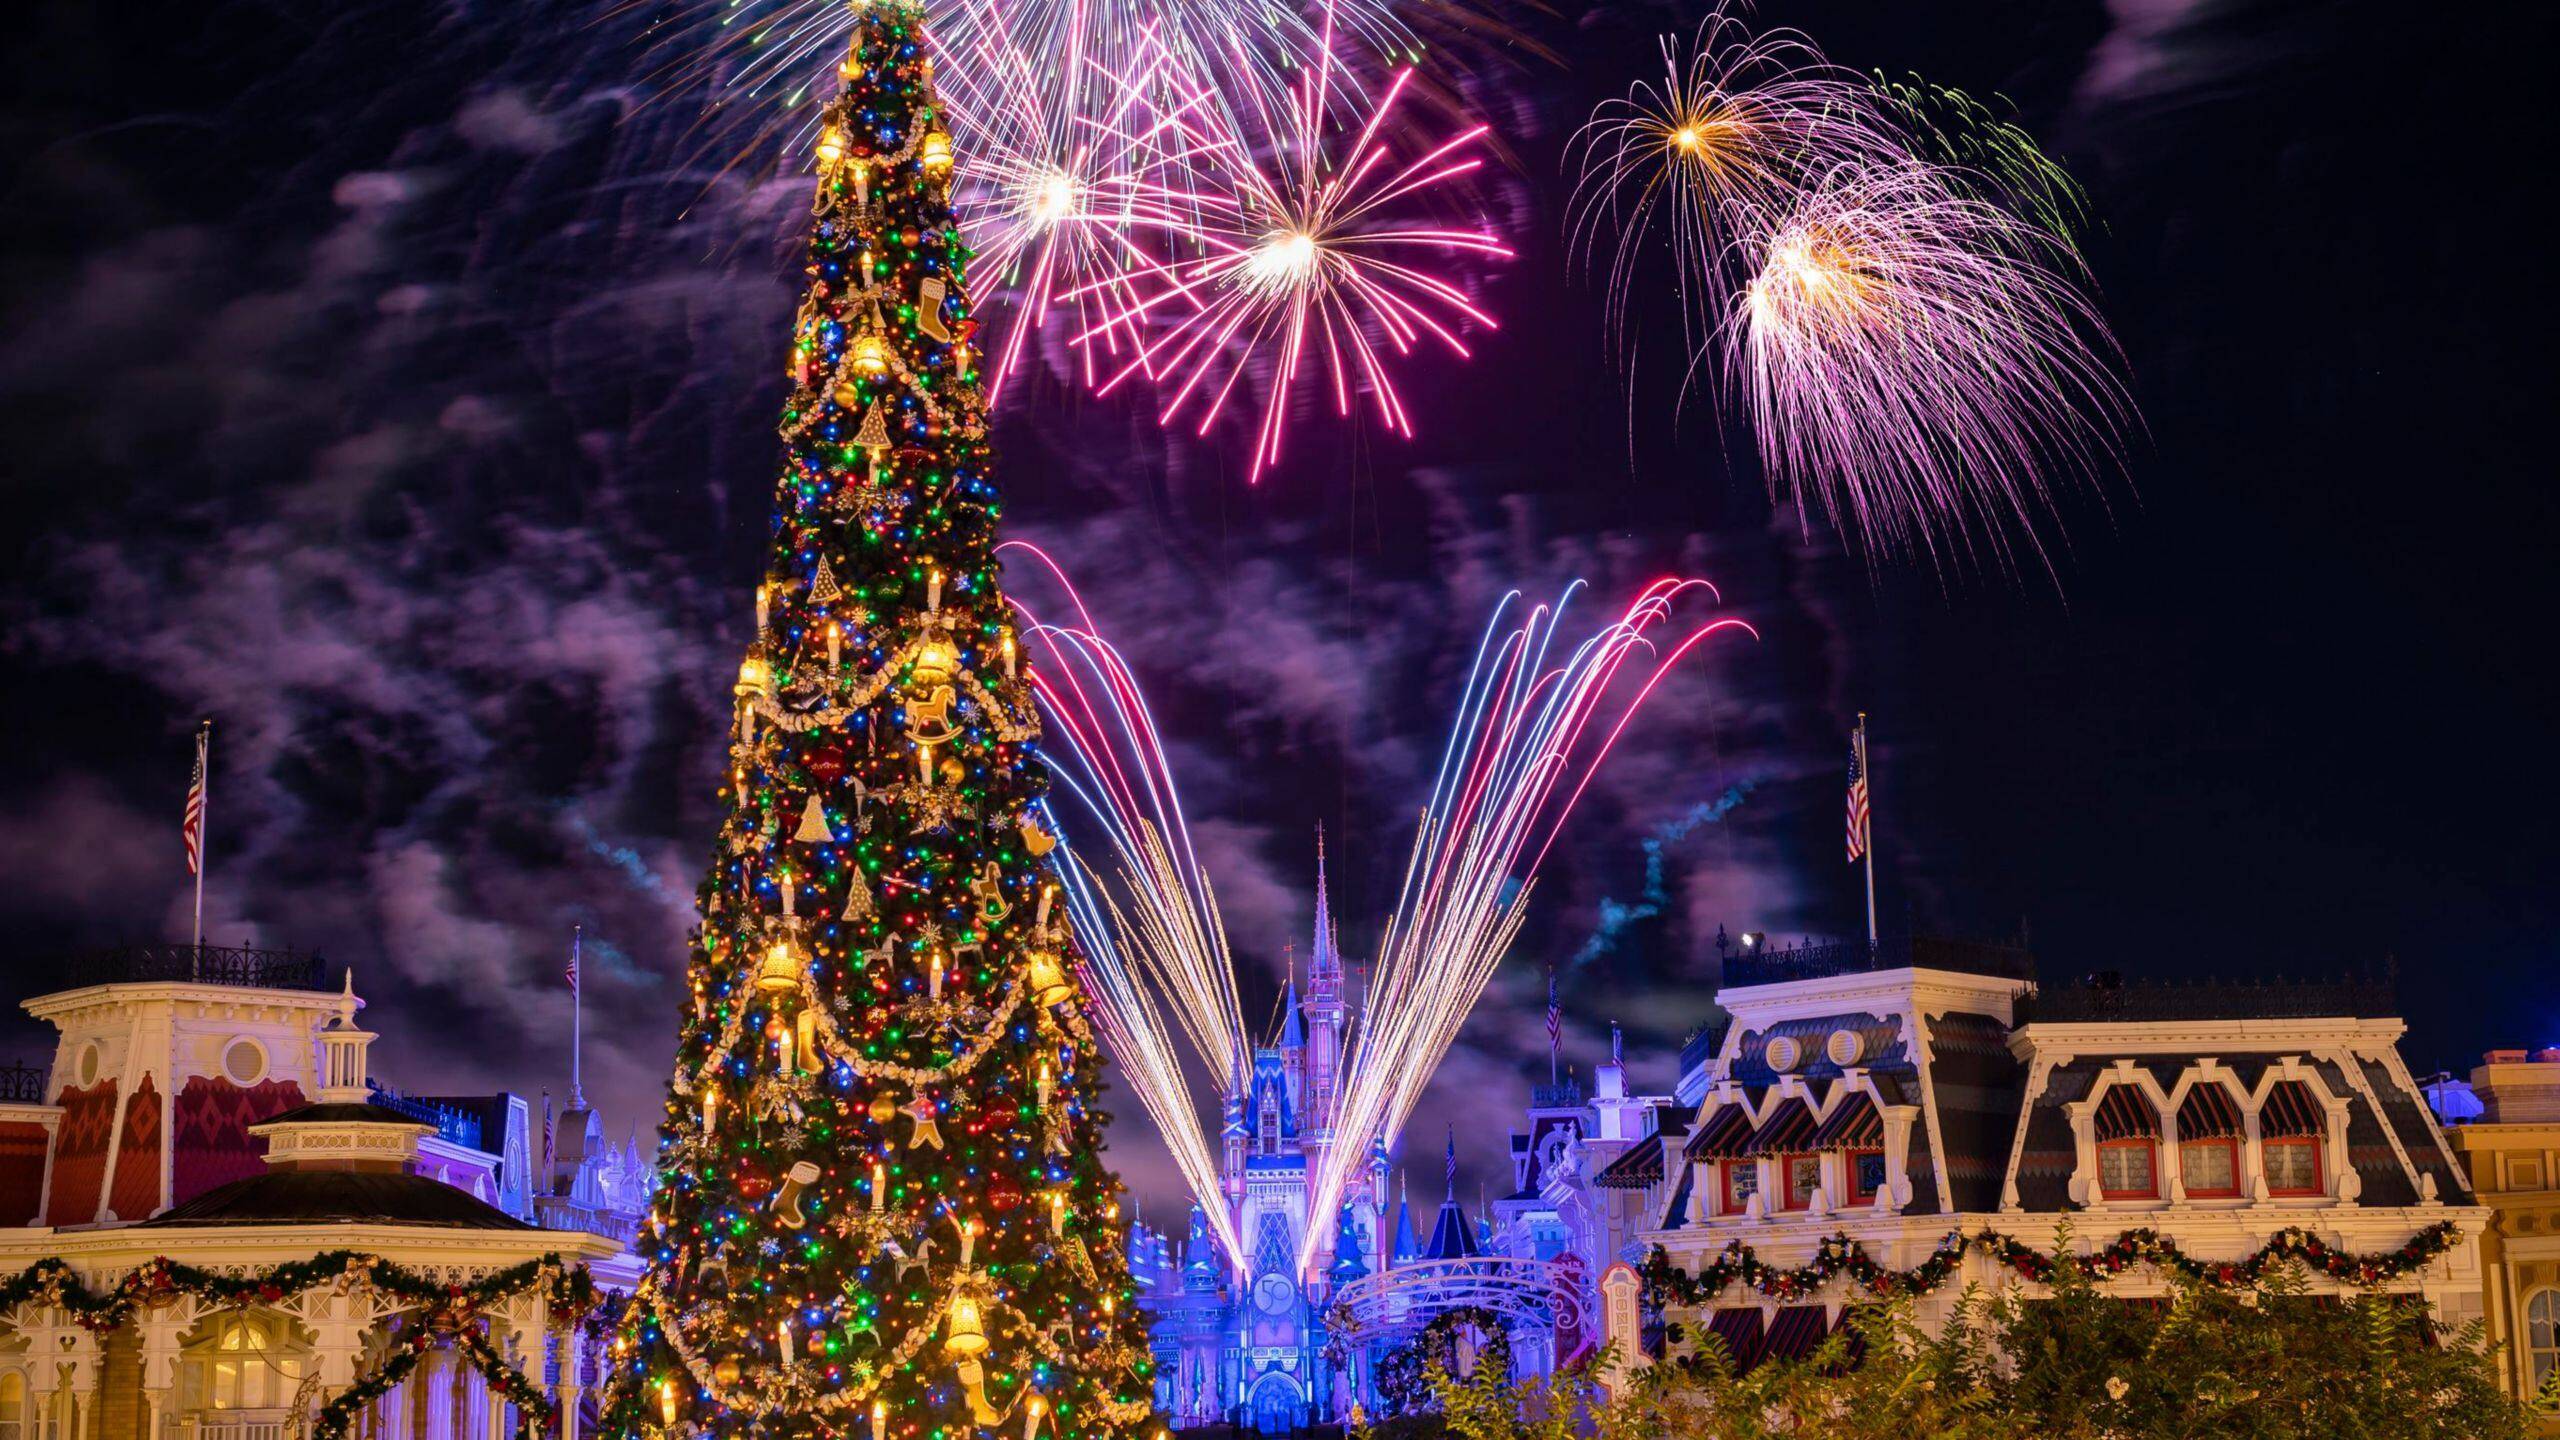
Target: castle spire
[[1326, 963]]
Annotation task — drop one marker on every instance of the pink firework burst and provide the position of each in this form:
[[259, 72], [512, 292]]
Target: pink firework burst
[[1075, 165], [1303, 264]]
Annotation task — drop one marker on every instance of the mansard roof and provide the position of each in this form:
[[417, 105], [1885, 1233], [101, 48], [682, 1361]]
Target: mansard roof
[[338, 1197]]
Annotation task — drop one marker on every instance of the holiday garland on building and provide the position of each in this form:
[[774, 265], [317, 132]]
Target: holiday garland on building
[[1665, 1283], [884, 1211], [450, 1310]]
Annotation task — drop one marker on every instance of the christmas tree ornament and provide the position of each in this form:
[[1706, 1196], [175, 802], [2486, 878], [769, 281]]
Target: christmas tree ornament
[[813, 824], [830, 147], [823, 589], [929, 293], [780, 971], [936, 659], [928, 1131], [988, 887], [795, 1183]]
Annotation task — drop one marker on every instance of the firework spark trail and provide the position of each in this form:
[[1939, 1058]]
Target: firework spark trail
[[1072, 166], [1524, 726], [1738, 125], [1994, 157], [1918, 360], [1151, 943], [761, 57], [1301, 261]]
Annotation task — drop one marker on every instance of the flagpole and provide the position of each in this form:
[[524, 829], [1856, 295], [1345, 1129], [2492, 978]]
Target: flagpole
[[1868, 771], [204, 768], [577, 1016]]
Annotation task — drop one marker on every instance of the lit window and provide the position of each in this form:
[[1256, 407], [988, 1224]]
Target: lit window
[[2293, 1166], [13, 1405], [243, 1367], [2210, 1168], [2542, 1334], [1866, 1174], [2128, 1170], [1741, 1182], [1804, 1176]]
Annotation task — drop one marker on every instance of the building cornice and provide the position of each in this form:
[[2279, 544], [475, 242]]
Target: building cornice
[[121, 996], [2228, 1037]]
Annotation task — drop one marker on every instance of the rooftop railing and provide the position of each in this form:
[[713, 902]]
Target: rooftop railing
[[2107, 998], [23, 1084], [1825, 959], [198, 965]]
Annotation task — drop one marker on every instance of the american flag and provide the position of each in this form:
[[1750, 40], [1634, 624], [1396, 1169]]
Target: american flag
[[1858, 794], [193, 828], [576, 933]]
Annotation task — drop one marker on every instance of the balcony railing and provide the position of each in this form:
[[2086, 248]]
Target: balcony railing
[[1823, 960], [23, 1084], [198, 965]]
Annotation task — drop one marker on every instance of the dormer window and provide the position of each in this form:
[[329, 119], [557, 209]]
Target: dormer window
[[2209, 1144], [1741, 1181], [2128, 1132], [2289, 1130], [1802, 1175]]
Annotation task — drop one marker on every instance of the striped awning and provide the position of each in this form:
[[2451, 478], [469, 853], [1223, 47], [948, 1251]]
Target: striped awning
[[1796, 1331], [2126, 1114], [1639, 1167], [1855, 1125], [1739, 1328], [1788, 1131], [1723, 1136], [2208, 1113], [2290, 1110]]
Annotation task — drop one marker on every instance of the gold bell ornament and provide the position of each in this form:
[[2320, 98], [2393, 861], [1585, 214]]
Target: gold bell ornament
[[779, 971]]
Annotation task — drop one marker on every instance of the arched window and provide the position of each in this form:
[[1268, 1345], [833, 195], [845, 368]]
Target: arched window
[[2542, 1334], [13, 1405], [2128, 1132], [245, 1362], [2289, 1129], [2209, 1143]]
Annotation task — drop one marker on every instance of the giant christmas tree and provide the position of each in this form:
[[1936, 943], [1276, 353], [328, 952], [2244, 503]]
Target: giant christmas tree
[[884, 1211]]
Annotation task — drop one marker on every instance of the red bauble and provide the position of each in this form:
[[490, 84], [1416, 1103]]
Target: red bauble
[[826, 763], [1004, 1193], [754, 1184]]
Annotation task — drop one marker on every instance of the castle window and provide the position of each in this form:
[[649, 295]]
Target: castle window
[[1741, 1182], [13, 1405], [2209, 1144], [2128, 1132]]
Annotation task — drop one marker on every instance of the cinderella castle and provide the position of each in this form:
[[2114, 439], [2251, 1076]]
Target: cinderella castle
[[1242, 1339]]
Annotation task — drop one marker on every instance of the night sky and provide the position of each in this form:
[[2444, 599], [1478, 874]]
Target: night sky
[[394, 382]]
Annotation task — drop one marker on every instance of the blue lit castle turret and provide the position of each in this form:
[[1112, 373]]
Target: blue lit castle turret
[[1241, 1338]]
